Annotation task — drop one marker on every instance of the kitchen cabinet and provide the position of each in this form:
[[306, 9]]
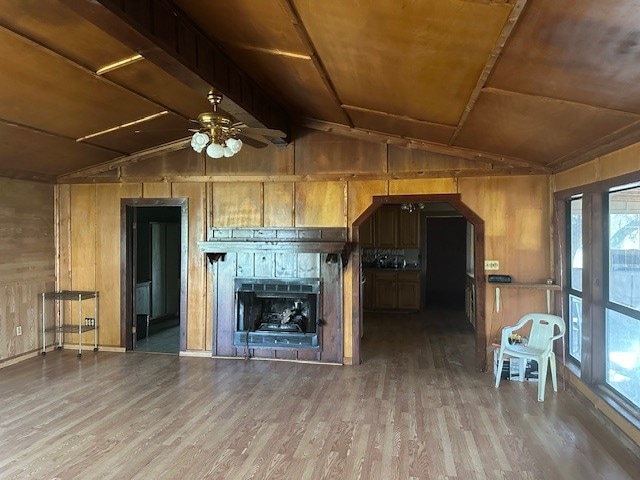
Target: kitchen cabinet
[[391, 289], [408, 229], [409, 290], [386, 226], [386, 290], [391, 227]]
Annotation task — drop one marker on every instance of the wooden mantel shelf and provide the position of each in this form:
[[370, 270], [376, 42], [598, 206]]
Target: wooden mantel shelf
[[332, 241]]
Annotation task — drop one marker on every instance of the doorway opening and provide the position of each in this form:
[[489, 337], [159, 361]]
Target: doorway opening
[[418, 259], [154, 275]]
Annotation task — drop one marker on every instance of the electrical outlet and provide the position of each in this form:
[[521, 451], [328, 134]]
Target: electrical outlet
[[18, 330], [90, 322], [491, 265]]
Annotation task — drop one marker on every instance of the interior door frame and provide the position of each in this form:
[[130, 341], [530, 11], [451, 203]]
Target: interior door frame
[[455, 200], [128, 259]]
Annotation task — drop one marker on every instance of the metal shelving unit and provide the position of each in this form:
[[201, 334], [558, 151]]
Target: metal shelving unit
[[60, 327]]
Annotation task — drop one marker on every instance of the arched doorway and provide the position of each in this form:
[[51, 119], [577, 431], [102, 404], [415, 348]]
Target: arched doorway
[[455, 201]]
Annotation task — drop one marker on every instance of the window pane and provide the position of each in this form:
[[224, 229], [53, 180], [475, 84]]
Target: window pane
[[575, 327], [623, 355], [624, 247], [575, 236]]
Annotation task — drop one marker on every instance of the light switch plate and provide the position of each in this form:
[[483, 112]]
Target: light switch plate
[[491, 265]]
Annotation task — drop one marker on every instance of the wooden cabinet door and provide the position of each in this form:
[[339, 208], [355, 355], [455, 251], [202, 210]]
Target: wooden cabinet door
[[386, 227], [408, 229], [409, 290], [386, 290], [367, 232]]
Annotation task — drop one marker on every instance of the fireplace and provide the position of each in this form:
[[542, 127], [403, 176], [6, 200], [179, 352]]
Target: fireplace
[[281, 313], [277, 292]]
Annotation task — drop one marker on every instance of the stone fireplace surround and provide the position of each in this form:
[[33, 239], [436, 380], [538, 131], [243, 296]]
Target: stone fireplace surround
[[279, 256]]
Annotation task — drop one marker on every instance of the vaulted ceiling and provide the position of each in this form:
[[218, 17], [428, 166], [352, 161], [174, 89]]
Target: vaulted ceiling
[[539, 85]]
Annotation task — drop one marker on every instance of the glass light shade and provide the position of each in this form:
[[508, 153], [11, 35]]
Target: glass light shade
[[199, 141], [215, 151], [234, 144], [227, 152]]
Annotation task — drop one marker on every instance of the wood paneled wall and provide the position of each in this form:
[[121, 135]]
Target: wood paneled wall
[[615, 164], [321, 180], [27, 262]]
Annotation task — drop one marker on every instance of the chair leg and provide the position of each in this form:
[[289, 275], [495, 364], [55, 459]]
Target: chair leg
[[542, 377], [552, 366], [522, 368], [499, 370]]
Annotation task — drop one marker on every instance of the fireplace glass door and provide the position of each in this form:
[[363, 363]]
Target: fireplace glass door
[[277, 313]]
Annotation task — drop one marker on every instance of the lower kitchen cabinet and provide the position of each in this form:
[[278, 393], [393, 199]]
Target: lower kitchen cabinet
[[409, 290], [386, 290], [391, 290]]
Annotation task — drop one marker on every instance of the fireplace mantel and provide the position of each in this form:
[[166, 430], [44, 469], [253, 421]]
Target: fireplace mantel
[[332, 241]]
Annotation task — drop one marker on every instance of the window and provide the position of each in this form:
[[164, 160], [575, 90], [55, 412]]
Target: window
[[601, 274], [622, 317], [574, 234]]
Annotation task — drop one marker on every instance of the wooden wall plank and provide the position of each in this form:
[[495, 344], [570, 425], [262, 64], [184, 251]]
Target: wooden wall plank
[[621, 162], [107, 264], [320, 152], [320, 204], [237, 204], [195, 193], [582, 175], [360, 196], [64, 237], [174, 163], [415, 160], [516, 211], [422, 185], [278, 204], [26, 232], [271, 160], [156, 190], [83, 237]]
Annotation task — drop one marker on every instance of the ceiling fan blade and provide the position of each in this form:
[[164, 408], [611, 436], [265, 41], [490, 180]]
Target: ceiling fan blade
[[265, 132], [251, 141]]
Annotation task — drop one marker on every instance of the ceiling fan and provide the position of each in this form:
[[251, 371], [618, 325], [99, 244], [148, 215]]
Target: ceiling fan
[[220, 136]]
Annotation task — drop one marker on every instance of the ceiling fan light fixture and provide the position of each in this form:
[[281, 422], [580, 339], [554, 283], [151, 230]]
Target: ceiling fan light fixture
[[215, 151], [199, 141], [234, 144]]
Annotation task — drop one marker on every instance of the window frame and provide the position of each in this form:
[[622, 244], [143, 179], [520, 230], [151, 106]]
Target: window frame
[[591, 369], [570, 290]]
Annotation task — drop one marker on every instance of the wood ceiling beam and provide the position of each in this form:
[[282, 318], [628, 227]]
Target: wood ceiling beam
[[615, 141], [176, 178], [458, 152], [513, 18], [124, 160], [395, 116], [164, 35]]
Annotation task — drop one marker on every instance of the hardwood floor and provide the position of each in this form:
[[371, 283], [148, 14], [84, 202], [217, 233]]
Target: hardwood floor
[[415, 408]]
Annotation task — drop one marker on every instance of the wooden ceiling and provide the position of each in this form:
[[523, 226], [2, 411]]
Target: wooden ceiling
[[542, 85]]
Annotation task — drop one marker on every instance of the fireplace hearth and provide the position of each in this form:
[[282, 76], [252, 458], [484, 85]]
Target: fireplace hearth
[[281, 313]]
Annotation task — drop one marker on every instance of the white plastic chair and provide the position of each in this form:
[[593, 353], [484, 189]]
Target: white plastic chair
[[539, 347]]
